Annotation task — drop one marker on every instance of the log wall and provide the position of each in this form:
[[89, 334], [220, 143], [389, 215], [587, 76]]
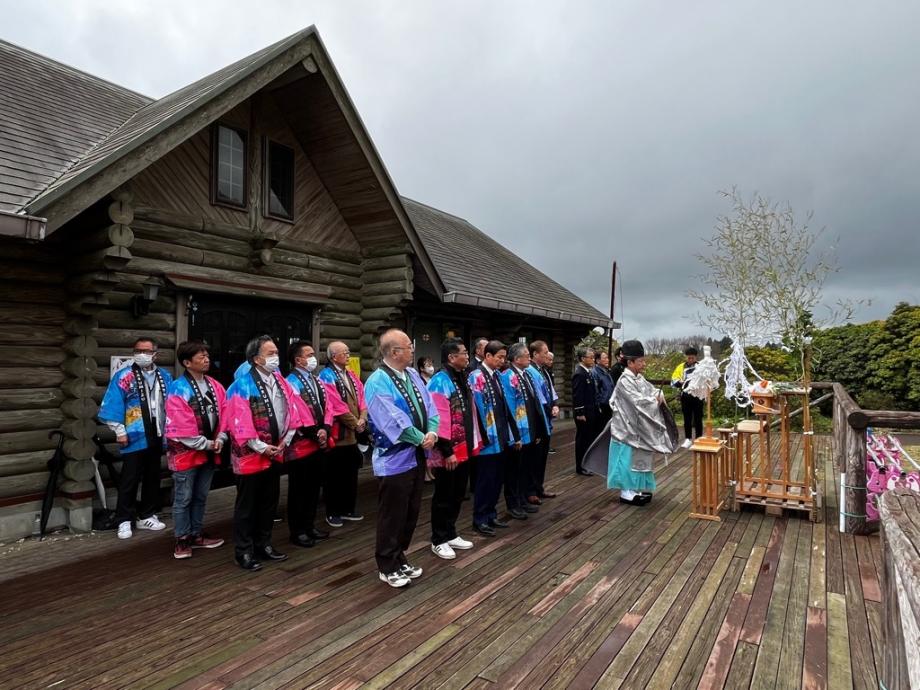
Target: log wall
[[386, 274], [32, 338]]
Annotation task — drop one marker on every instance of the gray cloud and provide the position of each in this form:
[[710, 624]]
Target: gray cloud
[[581, 133]]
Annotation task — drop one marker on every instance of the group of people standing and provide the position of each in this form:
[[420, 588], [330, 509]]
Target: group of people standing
[[593, 384], [485, 424], [310, 423]]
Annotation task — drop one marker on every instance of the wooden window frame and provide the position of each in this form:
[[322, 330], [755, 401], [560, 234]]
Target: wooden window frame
[[266, 181], [215, 161]]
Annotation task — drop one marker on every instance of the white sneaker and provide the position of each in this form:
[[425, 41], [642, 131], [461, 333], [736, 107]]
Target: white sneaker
[[460, 543], [443, 551], [396, 579], [124, 530], [686, 444], [151, 523], [410, 571]]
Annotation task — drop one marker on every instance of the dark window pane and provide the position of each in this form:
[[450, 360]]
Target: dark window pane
[[280, 181], [231, 166]]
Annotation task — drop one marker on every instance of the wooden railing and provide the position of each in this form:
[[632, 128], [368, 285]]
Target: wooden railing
[[900, 533], [849, 449]]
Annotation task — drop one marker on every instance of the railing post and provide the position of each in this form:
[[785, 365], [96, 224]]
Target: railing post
[[855, 490]]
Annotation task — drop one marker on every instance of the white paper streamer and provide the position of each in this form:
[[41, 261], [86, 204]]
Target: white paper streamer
[[705, 377], [737, 387]]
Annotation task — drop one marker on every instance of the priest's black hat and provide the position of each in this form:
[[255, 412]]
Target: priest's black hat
[[633, 348]]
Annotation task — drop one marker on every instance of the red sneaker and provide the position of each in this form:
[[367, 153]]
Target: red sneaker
[[200, 541], [183, 548]]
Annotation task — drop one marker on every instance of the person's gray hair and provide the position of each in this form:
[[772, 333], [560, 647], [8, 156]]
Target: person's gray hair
[[254, 346], [582, 352], [516, 350], [329, 353]]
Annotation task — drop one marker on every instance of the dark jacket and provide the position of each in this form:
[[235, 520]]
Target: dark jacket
[[604, 385], [616, 371], [584, 394]]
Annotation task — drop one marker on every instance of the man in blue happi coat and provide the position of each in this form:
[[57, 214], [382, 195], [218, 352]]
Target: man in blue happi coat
[[404, 422]]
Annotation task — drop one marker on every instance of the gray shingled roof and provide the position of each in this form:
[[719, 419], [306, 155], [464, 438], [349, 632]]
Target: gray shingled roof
[[50, 116], [61, 126], [158, 115], [468, 261]]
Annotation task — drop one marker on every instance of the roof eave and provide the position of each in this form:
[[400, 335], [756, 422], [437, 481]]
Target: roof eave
[[22, 226], [456, 297]]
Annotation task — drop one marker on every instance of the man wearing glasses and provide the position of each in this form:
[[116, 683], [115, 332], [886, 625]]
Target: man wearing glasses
[[345, 457], [134, 408], [404, 422]]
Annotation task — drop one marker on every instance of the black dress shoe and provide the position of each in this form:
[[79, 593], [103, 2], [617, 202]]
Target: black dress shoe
[[501, 524], [272, 555], [643, 499], [517, 514], [583, 472], [527, 508], [484, 530], [317, 534], [247, 562], [304, 540]]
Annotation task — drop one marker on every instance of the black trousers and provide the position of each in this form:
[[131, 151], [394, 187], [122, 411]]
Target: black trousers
[[692, 409], [342, 479], [515, 478], [585, 433], [305, 477], [399, 500], [142, 467], [449, 490], [535, 456], [604, 415], [254, 512], [490, 474], [472, 474]]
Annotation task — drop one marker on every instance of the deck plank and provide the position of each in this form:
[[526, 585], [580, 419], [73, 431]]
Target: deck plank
[[587, 592]]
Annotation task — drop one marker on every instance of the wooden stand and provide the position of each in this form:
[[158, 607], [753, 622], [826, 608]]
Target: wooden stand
[[768, 485], [709, 485]]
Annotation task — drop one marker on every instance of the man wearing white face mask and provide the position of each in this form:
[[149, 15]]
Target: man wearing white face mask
[[307, 455], [263, 414], [134, 408]]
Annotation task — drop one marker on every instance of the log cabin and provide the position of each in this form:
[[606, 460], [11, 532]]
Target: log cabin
[[250, 201]]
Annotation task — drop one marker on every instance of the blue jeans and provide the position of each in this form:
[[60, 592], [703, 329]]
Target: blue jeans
[[190, 493]]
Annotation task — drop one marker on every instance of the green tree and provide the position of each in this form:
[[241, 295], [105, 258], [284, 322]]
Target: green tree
[[597, 341], [772, 363], [894, 357], [841, 356]]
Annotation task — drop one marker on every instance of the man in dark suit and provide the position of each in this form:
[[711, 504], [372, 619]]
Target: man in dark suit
[[584, 405], [479, 346]]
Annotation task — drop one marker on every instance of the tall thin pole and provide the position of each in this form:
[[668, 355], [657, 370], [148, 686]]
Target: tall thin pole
[[613, 294]]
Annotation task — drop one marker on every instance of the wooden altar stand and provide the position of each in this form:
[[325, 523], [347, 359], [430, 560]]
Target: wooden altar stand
[[766, 481]]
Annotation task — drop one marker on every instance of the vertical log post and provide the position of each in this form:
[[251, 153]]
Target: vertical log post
[[386, 291], [850, 448], [108, 251]]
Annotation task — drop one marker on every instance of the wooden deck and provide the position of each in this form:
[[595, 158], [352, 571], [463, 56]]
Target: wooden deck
[[588, 593]]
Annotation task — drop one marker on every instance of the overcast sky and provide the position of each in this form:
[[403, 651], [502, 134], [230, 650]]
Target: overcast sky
[[579, 133]]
